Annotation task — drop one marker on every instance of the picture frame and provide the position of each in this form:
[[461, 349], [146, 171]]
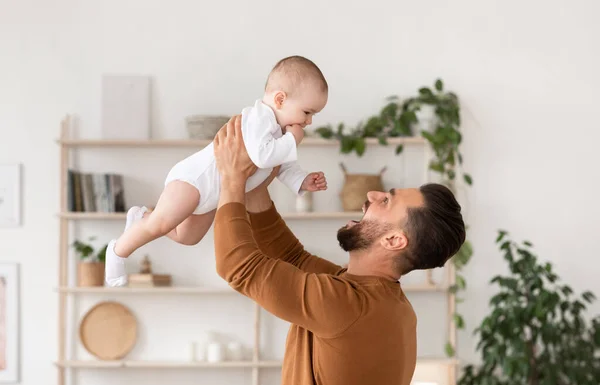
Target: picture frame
[[9, 323], [10, 195]]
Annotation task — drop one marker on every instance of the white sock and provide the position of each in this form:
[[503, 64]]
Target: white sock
[[114, 270], [134, 215]]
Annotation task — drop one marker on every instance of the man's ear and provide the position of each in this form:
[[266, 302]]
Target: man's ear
[[279, 99], [394, 241]]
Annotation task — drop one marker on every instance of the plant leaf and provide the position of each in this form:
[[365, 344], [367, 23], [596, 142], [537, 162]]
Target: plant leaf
[[399, 149], [439, 85], [468, 179], [360, 146], [449, 349]]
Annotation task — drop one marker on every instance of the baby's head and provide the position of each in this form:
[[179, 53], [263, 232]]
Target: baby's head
[[296, 90]]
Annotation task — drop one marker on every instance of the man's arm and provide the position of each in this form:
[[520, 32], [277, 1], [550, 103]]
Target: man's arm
[[275, 239], [322, 303]]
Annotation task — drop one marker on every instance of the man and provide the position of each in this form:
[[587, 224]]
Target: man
[[349, 326]]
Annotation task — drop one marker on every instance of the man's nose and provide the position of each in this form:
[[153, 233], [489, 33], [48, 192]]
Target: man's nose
[[373, 196]]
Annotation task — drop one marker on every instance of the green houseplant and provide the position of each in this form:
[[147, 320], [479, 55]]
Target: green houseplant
[[90, 268], [400, 118], [536, 333]]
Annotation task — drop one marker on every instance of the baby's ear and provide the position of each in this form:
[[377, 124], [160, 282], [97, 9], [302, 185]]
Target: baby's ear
[[279, 97]]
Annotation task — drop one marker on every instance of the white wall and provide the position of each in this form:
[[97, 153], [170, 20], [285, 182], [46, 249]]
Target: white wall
[[525, 72]]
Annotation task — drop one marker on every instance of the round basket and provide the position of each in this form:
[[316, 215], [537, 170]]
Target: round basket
[[205, 126], [108, 330], [356, 187]]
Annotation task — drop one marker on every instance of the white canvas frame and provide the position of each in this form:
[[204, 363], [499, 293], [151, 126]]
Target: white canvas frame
[[9, 272], [10, 195]]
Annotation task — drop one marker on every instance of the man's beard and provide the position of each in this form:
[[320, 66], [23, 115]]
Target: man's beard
[[361, 235]]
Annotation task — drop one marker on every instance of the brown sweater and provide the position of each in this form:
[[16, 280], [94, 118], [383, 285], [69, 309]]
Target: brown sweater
[[346, 329]]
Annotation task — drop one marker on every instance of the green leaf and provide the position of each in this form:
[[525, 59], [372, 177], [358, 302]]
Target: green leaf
[[460, 282], [451, 174], [437, 166], [439, 85], [453, 289], [382, 140], [501, 235], [325, 132], [468, 179], [426, 92], [588, 296], [449, 349], [347, 144], [340, 129], [459, 321], [527, 243], [360, 146], [399, 149]]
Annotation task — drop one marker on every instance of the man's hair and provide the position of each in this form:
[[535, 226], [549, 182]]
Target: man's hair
[[293, 71], [436, 230]]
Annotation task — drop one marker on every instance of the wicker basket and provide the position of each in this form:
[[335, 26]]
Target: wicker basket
[[205, 126], [356, 187]]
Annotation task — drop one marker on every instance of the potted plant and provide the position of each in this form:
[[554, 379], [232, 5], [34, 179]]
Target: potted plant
[[90, 268], [536, 332]]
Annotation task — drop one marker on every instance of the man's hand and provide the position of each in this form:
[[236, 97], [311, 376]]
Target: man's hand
[[297, 131], [231, 156], [315, 181], [233, 162]]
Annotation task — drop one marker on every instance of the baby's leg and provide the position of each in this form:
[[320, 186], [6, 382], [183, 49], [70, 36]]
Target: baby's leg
[[193, 229], [177, 202]]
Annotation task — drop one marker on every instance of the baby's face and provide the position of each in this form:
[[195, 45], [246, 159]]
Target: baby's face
[[301, 107]]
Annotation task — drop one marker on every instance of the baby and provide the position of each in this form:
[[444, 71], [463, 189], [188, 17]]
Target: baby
[[272, 129]]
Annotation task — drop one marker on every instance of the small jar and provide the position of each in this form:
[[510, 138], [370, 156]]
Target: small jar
[[304, 203], [235, 351], [214, 352]]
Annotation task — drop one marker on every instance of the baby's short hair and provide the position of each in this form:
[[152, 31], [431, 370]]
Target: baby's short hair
[[293, 71]]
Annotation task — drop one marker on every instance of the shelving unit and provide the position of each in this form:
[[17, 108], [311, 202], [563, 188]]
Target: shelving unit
[[64, 363]]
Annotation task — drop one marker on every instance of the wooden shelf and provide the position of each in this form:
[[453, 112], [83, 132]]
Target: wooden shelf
[[423, 288], [291, 215], [145, 290], [152, 143], [93, 364]]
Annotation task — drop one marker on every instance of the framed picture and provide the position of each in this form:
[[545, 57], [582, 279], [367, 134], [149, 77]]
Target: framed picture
[[9, 323], [10, 195]]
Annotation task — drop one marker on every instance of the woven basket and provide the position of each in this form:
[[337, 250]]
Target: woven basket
[[90, 274], [356, 187], [205, 126]]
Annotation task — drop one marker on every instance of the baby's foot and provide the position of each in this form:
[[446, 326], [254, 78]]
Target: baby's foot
[[114, 268], [134, 215]]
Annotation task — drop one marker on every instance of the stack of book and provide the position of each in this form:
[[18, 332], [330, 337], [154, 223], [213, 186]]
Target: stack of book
[[149, 280], [93, 192]]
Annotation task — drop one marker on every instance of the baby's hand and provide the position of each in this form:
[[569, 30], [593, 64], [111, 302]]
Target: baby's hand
[[297, 131], [315, 181]]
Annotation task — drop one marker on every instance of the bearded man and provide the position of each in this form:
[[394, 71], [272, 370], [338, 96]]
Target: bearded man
[[351, 325]]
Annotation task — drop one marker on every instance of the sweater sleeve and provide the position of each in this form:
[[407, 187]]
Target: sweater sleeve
[[275, 239], [324, 304]]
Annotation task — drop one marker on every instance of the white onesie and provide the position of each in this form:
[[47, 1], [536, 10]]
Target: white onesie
[[267, 147]]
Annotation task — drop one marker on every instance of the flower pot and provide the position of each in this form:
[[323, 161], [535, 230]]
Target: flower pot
[[90, 274], [356, 187]]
